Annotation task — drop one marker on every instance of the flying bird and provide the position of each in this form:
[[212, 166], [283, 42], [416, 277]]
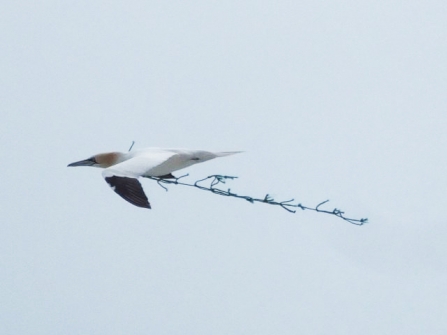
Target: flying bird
[[121, 170]]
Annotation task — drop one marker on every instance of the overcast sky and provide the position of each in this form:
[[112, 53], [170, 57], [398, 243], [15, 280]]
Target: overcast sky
[[340, 100]]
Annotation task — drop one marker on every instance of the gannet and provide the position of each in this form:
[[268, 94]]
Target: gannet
[[123, 169]]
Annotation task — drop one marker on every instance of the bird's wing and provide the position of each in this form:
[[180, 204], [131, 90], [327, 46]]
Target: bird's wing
[[122, 177], [129, 189]]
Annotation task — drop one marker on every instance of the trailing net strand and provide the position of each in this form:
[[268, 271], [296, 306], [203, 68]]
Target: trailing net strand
[[288, 205]]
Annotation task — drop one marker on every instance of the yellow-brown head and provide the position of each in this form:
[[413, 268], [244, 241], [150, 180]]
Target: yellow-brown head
[[104, 160]]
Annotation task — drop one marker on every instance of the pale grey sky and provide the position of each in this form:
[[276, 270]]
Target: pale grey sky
[[341, 100]]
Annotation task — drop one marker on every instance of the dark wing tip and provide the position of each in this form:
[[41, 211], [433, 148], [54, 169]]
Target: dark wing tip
[[129, 189]]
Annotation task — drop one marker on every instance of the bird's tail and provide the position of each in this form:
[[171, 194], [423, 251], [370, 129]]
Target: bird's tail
[[226, 153]]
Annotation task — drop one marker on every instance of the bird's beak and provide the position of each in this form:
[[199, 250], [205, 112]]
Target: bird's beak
[[85, 162]]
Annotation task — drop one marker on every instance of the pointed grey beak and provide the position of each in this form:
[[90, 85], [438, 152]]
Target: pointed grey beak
[[86, 162]]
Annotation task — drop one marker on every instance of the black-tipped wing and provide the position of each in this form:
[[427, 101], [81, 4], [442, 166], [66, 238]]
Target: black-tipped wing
[[129, 189]]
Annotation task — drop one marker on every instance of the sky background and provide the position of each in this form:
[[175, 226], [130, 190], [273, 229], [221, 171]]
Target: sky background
[[339, 100]]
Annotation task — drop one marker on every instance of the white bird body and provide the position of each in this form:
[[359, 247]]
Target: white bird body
[[123, 169]]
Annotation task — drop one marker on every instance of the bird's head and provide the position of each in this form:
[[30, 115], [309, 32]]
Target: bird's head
[[100, 160]]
